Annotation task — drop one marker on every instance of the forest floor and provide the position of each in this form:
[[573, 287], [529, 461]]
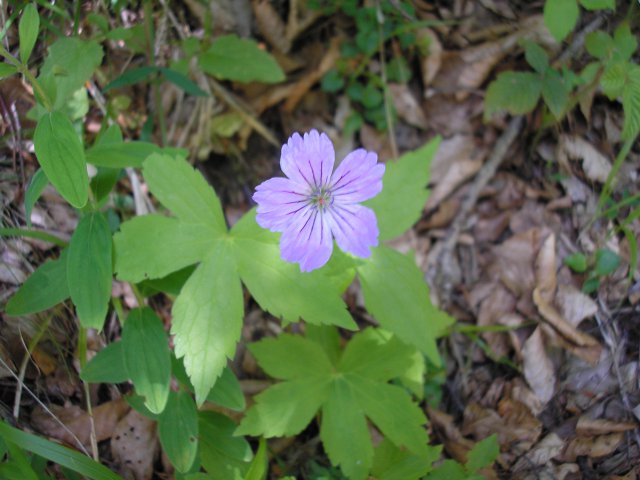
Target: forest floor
[[550, 369]]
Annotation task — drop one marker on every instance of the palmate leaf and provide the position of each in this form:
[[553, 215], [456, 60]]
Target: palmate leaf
[[404, 191], [398, 297], [207, 318], [346, 394]]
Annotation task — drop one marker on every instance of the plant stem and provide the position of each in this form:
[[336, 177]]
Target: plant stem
[[24, 70], [82, 358]]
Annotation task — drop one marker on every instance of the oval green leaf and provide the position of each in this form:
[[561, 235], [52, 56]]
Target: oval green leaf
[[178, 430], [89, 270], [107, 366], [28, 31], [147, 357], [61, 156]]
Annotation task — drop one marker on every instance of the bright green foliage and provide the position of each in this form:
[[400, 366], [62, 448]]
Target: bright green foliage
[[631, 103], [598, 4], [107, 366], [560, 17], [70, 62], [404, 192], [516, 92], [536, 57], [398, 297], [17, 466], [46, 287], [184, 191], [259, 467], [207, 319], [147, 357], [347, 394], [221, 454], [555, 93], [576, 262], [28, 31], [56, 453], [227, 392], [61, 156], [392, 463], [38, 183], [482, 455], [124, 154], [152, 246], [178, 430], [239, 59], [138, 75], [309, 296], [6, 70], [89, 270], [607, 262]]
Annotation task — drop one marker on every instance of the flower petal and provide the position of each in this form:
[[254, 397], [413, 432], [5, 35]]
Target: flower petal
[[355, 228], [307, 240], [357, 178], [308, 160], [278, 200]]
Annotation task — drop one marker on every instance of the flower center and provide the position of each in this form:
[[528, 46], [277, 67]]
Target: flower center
[[320, 198]]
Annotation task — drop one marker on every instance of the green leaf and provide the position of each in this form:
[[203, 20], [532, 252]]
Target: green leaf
[[89, 271], [344, 432], [516, 92], [147, 357], [178, 430], [107, 366], [17, 466], [38, 183], [61, 156], [227, 392], [121, 155], [371, 96], [560, 17], [290, 356], [483, 454], [28, 31], [153, 246], [103, 182], [260, 464], [625, 41], [207, 319], [598, 4], [131, 77], [46, 287], [286, 408], [614, 78], [58, 454], [7, 70], [183, 82], [449, 470], [398, 297], [536, 57], [184, 191], [310, 296], [404, 192], [69, 64], [375, 355], [631, 104], [391, 409], [328, 338], [222, 454], [599, 44], [607, 262], [332, 81], [554, 93], [392, 463], [238, 59], [576, 262]]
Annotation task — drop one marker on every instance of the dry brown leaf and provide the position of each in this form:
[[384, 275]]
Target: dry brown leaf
[[134, 445], [303, 85], [271, 25], [593, 447], [458, 158], [45, 362], [599, 426], [546, 449], [538, 368], [454, 442], [546, 281], [595, 165], [407, 105], [564, 328], [498, 304], [105, 418], [430, 63], [574, 305]]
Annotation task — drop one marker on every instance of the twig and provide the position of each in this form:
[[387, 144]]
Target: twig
[[488, 170], [615, 346]]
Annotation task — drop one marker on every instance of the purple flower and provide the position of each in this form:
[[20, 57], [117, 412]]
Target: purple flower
[[314, 204]]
